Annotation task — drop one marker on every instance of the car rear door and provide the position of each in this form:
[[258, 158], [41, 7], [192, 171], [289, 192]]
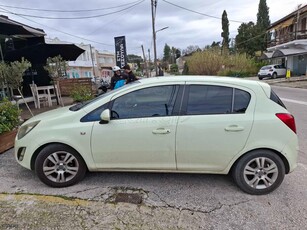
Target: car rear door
[[214, 126]]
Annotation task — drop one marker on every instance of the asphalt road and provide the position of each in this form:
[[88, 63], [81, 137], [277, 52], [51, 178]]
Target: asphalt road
[[170, 201]]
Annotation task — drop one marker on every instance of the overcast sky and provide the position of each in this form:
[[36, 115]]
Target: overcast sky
[[134, 21]]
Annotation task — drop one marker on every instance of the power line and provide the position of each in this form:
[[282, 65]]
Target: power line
[[111, 21], [193, 11], [68, 11], [75, 36], [85, 17]]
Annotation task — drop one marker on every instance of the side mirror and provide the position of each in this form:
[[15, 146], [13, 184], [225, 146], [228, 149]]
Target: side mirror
[[105, 116]]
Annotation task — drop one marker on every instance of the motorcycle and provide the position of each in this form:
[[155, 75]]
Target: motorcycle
[[104, 86]]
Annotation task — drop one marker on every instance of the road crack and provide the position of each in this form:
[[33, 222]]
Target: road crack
[[197, 210]]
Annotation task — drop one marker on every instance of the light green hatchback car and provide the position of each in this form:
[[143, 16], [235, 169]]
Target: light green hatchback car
[[184, 124]]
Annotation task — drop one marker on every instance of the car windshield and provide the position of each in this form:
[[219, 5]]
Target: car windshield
[[81, 105], [266, 67]]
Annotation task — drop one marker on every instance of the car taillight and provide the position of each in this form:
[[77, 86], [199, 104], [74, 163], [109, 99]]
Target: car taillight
[[270, 70], [288, 119]]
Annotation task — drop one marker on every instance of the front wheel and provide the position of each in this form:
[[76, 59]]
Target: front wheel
[[259, 172], [58, 165]]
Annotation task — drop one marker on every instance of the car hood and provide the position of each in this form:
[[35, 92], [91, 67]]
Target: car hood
[[55, 113]]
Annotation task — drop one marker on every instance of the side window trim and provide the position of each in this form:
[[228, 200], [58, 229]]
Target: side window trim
[[178, 89], [185, 99]]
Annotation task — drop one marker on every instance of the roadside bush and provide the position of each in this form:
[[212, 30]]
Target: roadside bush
[[206, 62], [174, 69], [81, 93], [239, 65], [9, 116], [211, 62]]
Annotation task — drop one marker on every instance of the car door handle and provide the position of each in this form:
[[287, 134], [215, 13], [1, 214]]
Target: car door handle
[[161, 131], [234, 128]]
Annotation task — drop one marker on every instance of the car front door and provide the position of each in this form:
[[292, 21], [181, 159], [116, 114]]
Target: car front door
[[214, 127], [141, 133]]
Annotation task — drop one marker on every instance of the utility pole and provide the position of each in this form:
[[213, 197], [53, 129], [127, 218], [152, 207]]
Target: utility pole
[[145, 62], [153, 13], [149, 66], [92, 62]]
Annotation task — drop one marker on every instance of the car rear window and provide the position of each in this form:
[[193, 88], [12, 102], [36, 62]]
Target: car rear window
[[206, 99], [266, 67], [276, 99]]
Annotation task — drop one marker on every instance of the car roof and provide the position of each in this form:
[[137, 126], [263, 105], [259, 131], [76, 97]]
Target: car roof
[[210, 79], [198, 78]]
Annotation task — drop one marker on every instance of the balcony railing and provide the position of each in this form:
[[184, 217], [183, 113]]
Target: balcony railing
[[288, 37]]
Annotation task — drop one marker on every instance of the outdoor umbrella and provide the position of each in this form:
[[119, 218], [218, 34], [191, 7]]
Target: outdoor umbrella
[[10, 27], [39, 53]]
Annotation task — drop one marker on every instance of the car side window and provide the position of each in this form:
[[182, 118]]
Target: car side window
[[95, 114], [241, 101], [148, 102], [208, 99]]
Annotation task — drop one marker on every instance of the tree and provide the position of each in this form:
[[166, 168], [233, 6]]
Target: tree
[[167, 53], [132, 58], [56, 67], [178, 53], [246, 41], [215, 44], [190, 49], [225, 33], [263, 22]]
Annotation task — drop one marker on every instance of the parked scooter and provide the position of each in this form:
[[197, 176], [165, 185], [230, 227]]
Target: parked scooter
[[104, 86]]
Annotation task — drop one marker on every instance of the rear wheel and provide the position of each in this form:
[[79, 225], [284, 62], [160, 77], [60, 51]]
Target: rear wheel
[[260, 78], [58, 165], [274, 75], [259, 172]]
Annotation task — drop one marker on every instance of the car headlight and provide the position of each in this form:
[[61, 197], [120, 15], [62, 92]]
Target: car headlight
[[25, 129]]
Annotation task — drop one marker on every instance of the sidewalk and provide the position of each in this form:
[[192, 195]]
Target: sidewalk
[[25, 113], [293, 82]]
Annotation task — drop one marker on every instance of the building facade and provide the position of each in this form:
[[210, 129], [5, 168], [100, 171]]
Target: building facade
[[287, 43], [90, 64]]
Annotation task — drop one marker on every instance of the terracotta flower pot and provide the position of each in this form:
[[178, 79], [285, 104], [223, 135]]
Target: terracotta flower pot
[[7, 140]]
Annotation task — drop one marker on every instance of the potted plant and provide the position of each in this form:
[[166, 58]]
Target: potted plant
[[11, 77], [9, 121]]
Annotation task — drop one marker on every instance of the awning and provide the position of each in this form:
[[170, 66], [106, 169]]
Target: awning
[[288, 52], [265, 56], [39, 53], [13, 28]]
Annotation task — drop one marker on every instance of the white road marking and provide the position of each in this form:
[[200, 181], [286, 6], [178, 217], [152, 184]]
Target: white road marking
[[294, 101]]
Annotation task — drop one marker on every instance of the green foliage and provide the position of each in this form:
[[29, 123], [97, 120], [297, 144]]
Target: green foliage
[[225, 33], [166, 53], [9, 116], [81, 93], [56, 67], [132, 58], [263, 22], [211, 62], [239, 66], [11, 74], [245, 40], [185, 69], [263, 18], [207, 62], [174, 68]]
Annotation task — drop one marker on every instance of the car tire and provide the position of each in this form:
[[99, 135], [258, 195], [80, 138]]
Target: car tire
[[274, 76], [260, 78], [58, 166], [259, 172]]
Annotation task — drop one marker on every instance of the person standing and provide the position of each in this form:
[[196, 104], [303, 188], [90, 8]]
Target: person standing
[[130, 76], [117, 80]]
